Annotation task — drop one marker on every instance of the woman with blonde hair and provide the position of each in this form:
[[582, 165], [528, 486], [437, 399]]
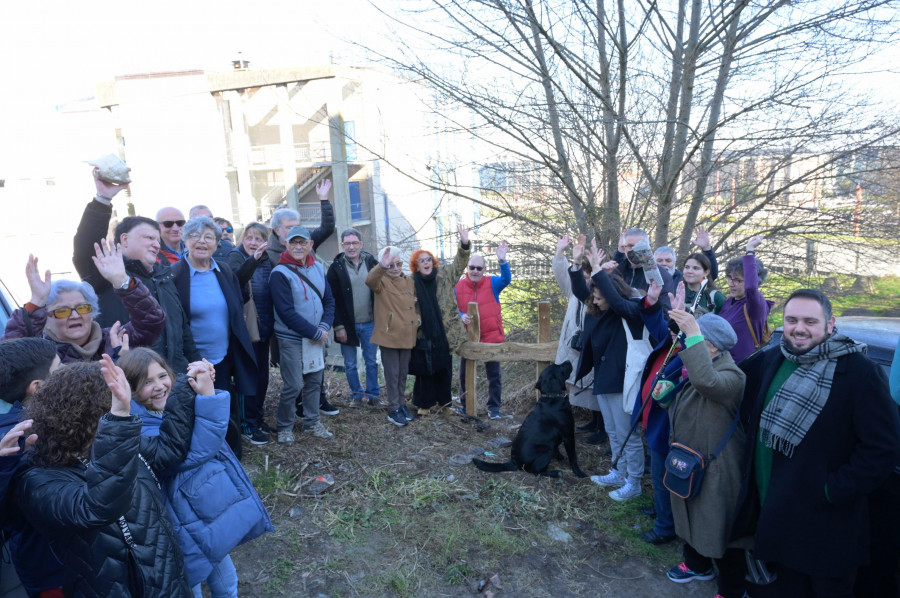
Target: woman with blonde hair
[[396, 324]]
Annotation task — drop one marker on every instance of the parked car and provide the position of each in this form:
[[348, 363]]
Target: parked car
[[878, 333]]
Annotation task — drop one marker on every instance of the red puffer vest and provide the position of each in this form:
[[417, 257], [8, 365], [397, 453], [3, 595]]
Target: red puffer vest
[[488, 307]]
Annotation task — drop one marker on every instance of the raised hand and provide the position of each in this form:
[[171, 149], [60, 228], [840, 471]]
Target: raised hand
[[561, 245], [261, 250], [685, 321], [390, 254], [106, 190], [110, 263], [322, 189], [9, 445], [463, 233], [502, 248], [677, 300], [40, 287], [199, 378], [653, 292], [118, 337], [702, 239], [578, 250], [754, 242], [118, 385]]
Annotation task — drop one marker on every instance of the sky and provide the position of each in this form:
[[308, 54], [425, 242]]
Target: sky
[[57, 51]]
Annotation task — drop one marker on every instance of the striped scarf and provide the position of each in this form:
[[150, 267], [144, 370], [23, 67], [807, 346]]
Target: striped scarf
[[797, 404]]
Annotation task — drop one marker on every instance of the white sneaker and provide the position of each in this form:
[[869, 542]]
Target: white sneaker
[[285, 437], [626, 492], [319, 431], [613, 478]]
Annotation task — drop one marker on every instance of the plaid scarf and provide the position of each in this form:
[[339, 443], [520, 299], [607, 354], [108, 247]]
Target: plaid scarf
[[795, 406]]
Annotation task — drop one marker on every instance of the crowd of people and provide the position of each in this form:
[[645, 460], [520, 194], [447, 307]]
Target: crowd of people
[[124, 398]]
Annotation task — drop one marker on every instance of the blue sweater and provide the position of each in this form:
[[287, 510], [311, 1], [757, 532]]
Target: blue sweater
[[210, 499]]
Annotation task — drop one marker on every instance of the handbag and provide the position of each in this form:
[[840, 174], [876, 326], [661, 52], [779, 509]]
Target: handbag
[[639, 350], [251, 318], [577, 340], [685, 467], [420, 360]]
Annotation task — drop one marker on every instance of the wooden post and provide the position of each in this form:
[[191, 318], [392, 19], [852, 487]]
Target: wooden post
[[474, 329], [543, 335]]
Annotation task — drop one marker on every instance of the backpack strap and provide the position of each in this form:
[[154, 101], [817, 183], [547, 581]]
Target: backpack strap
[[750, 326]]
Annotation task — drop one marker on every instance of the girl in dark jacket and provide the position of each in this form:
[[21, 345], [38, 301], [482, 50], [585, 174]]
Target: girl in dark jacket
[[90, 485], [210, 499]]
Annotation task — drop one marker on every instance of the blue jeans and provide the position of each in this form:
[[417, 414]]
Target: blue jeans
[[664, 525], [369, 351], [222, 581]]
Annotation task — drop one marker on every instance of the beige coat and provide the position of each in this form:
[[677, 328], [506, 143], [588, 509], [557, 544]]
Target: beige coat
[[396, 311], [700, 416]]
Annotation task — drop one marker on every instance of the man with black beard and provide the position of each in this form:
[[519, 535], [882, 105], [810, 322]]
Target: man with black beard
[[822, 433]]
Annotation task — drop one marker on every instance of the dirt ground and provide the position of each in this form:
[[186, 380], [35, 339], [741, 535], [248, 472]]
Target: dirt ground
[[402, 519]]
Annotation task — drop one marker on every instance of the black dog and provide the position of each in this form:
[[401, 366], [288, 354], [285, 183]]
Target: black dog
[[549, 424]]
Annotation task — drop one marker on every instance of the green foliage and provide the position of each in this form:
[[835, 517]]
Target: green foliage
[[282, 568]]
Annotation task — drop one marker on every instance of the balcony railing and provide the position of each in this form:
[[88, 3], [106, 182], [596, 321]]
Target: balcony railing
[[270, 155]]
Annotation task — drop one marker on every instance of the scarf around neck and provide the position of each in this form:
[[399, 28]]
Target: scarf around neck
[[88, 351], [426, 293], [797, 404]]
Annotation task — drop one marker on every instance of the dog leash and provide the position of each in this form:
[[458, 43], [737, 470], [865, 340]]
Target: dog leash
[[649, 398]]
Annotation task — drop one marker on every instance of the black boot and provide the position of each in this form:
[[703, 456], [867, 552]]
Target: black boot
[[598, 437], [591, 426]]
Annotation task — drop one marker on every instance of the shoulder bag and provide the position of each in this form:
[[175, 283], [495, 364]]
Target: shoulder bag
[[639, 350], [685, 467], [251, 318]]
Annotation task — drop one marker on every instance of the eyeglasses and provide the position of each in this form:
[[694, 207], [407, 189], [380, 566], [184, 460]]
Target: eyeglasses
[[476, 268], [204, 238], [65, 312], [732, 280], [424, 260], [397, 265], [171, 223], [228, 230], [298, 242], [351, 243]]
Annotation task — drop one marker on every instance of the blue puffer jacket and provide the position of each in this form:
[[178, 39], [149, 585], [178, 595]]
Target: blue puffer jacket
[[210, 499]]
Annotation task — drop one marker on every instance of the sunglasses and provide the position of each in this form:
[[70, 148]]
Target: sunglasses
[[397, 265], [476, 268], [424, 260], [230, 229], [299, 242], [65, 312], [171, 223]]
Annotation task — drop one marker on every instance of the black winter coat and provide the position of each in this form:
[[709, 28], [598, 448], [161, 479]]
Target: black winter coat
[[852, 447], [176, 343], [342, 292], [256, 273], [77, 507]]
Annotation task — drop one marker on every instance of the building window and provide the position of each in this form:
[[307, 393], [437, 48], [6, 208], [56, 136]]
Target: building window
[[350, 140], [355, 202]]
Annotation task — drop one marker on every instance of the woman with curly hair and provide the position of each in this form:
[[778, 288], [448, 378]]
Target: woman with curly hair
[[210, 499], [90, 485], [434, 285]]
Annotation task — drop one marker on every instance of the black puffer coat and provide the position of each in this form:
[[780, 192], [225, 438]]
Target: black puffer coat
[[77, 508], [176, 343]]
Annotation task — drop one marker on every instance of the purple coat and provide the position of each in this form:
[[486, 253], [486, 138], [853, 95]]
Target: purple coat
[[758, 307], [147, 323]]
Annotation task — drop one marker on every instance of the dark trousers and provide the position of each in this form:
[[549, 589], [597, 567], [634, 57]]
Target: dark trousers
[[254, 407], [224, 371], [879, 578], [795, 584], [495, 387], [732, 568], [432, 390]]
